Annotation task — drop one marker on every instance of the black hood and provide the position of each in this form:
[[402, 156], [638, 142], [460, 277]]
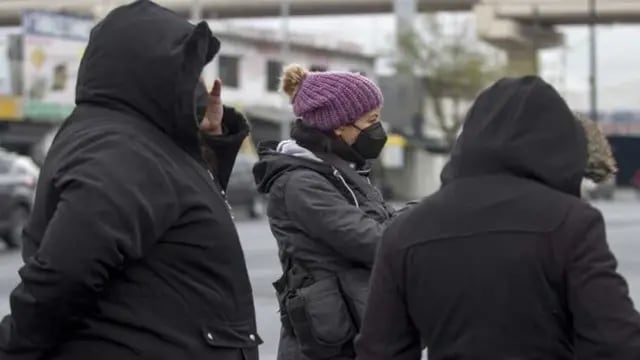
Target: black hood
[[145, 60], [521, 127], [273, 164]]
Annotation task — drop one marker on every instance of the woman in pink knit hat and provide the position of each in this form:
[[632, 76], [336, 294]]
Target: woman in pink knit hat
[[324, 213]]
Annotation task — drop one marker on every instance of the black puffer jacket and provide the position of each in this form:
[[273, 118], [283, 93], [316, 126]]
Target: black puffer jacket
[[131, 252], [505, 261], [325, 215]]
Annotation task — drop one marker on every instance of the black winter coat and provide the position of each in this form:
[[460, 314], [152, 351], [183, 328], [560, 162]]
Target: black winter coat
[[505, 261], [131, 252], [326, 216]]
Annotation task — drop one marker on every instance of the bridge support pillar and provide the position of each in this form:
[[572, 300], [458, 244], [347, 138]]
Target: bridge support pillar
[[521, 42], [522, 60]]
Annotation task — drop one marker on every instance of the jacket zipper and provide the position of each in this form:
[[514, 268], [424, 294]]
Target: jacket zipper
[[337, 174], [223, 194]]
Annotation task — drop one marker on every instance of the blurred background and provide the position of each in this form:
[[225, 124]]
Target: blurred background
[[430, 57]]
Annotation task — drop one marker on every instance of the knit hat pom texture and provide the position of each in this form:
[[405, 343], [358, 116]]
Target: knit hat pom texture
[[329, 100]]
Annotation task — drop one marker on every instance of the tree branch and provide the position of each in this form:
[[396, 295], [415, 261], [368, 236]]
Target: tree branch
[[454, 65]]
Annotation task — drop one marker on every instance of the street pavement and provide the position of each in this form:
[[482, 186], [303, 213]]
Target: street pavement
[[623, 228]]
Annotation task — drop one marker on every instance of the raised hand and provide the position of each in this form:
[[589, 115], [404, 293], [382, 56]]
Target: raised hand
[[212, 122]]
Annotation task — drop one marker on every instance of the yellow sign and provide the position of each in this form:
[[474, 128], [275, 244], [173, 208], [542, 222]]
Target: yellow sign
[[247, 147], [10, 108], [396, 140], [38, 57], [238, 106], [393, 153]]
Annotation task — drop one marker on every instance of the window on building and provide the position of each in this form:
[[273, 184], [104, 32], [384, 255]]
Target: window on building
[[229, 70], [318, 68], [274, 70]]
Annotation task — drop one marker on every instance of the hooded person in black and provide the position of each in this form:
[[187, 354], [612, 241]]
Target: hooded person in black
[[505, 261], [131, 251]]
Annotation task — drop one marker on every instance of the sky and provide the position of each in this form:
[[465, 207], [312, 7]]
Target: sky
[[568, 66]]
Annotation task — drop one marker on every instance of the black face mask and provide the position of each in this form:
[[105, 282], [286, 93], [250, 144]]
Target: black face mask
[[370, 141]]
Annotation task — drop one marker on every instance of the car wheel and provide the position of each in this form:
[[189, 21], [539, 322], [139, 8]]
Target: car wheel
[[19, 218], [256, 208]]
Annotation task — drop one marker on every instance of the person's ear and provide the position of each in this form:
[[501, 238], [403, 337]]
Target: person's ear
[[339, 131]]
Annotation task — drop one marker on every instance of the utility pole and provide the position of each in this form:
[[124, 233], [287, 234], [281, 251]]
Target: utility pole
[[196, 10], [593, 73], [563, 72], [535, 44], [409, 97], [285, 56], [405, 13]]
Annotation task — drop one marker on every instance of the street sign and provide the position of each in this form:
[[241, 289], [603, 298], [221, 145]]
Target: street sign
[[53, 47]]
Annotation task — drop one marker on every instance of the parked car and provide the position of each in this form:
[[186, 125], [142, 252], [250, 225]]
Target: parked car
[[605, 190], [635, 182], [18, 178], [241, 190]]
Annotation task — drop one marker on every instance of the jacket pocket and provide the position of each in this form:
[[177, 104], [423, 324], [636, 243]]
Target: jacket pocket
[[320, 319], [354, 284]]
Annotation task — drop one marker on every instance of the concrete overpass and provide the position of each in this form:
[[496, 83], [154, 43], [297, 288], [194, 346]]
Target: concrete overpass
[[546, 12], [565, 12], [520, 27], [10, 9]]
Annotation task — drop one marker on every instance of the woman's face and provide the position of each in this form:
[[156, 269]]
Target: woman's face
[[349, 133]]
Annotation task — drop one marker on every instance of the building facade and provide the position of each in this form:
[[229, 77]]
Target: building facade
[[251, 62]]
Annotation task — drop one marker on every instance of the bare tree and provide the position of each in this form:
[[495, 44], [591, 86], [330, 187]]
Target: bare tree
[[454, 65]]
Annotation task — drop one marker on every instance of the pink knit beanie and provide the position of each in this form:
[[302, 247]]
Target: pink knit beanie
[[328, 100]]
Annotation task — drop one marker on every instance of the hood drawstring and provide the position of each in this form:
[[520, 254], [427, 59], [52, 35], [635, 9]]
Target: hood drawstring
[[339, 176]]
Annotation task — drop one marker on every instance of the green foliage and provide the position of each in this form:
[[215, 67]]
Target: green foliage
[[453, 64]]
